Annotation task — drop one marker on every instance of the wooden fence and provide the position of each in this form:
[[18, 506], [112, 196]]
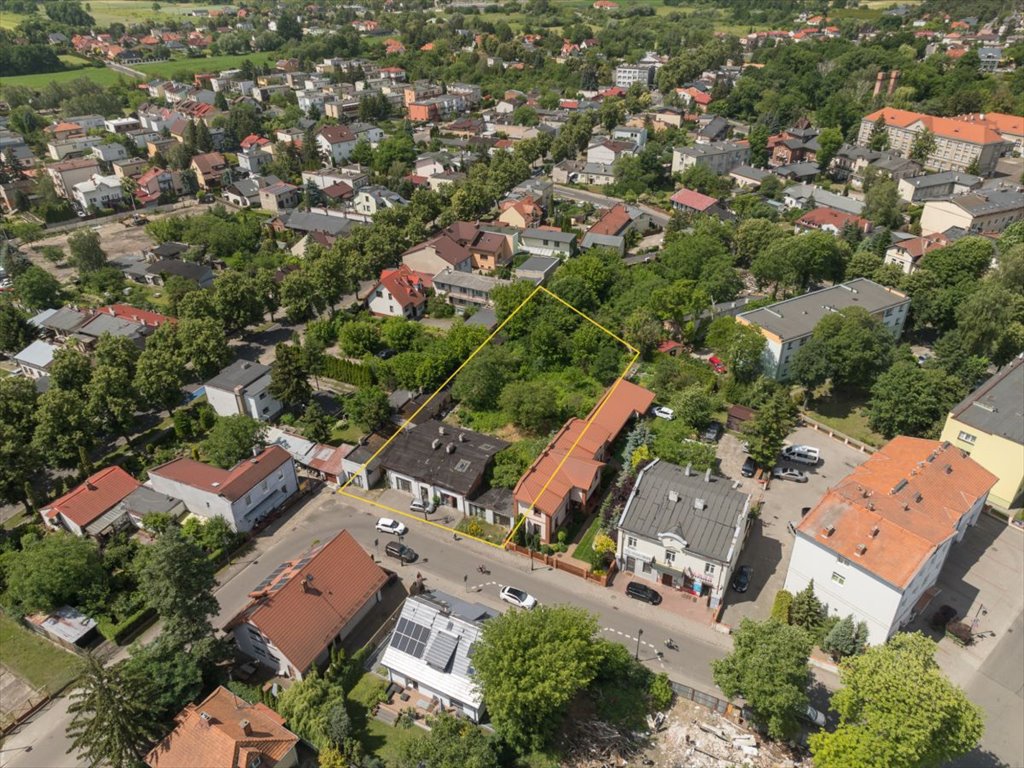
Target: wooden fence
[[560, 564]]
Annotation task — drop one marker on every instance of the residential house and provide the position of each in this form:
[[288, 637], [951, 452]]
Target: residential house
[[466, 290], [986, 210], [711, 128], [244, 495], [876, 542], [97, 192], [536, 269], [70, 172], [243, 388], [226, 731], [794, 145], [34, 361], [336, 142], [72, 146], [907, 253], [157, 272], [690, 201], [307, 607], [521, 214], [799, 172], [627, 74], [436, 460], [634, 133], [155, 182], [279, 196], [748, 177], [430, 651], [253, 160], [832, 221], [935, 186], [325, 462], [245, 193], [315, 221], [400, 292], [988, 425], [788, 324], [562, 481], [718, 156], [608, 151], [436, 254], [488, 249], [92, 507], [810, 196], [548, 241], [209, 169], [108, 153], [960, 145], [373, 198], [683, 529], [61, 323], [1010, 127]]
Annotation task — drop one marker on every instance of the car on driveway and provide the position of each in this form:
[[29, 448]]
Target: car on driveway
[[749, 468], [400, 552], [814, 717], [418, 505], [741, 579], [712, 432], [788, 473], [387, 525], [640, 591], [518, 597], [716, 364], [662, 412]]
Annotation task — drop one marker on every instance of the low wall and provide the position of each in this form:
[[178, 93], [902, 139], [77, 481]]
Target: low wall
[[560, 564], [835, 434]]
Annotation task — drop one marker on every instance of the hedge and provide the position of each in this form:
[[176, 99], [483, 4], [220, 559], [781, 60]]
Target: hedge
[[348, 372], [127, 629], [780, 608]]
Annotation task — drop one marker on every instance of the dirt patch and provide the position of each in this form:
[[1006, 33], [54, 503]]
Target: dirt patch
[[115, 239], [16, 696], [511, 434]]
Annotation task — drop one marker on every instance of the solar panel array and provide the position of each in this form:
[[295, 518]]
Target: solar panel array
[[410, 638]]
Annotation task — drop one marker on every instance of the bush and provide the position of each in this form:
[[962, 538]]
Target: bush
[[943, 616], [960, 632], [348, 372], [661, 692], [127, 629], [781, 606]]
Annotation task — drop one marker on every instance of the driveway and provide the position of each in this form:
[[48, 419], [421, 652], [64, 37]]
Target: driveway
[[770, 543]]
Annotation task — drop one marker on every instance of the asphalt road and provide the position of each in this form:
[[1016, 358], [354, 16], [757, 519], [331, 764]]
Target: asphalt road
[[658, 216]]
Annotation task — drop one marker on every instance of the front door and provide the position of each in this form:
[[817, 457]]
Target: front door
[[666, 579], [630, 563]]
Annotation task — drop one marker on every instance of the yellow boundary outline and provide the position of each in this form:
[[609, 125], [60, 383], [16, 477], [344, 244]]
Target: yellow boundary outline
[[539, 289]]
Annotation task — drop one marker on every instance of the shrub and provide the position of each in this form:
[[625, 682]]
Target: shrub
[[943, 616], [661, 693], [960, 632], [780, 608]]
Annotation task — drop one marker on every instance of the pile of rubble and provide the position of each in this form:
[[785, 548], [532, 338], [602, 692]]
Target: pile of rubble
[[696, 737]]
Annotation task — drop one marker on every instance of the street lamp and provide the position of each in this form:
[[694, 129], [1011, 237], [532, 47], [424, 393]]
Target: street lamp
[[982, 611], [465, 581], [639, 634]]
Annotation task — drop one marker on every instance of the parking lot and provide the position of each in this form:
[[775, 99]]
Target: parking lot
[[770, 543]]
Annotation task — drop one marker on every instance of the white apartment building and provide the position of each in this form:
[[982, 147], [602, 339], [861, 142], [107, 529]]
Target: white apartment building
[[718, 156], [627, 74]]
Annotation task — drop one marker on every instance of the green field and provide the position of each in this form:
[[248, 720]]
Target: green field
[[41, 664], [205, 64], [10, 20], [101, 75]]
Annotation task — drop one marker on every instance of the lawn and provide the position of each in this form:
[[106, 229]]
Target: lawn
[[585, 549], [345, 431], [126, 11], [100, 75], [10, 20], [204, 64], [385, 741], [43, 665], [847, 414]]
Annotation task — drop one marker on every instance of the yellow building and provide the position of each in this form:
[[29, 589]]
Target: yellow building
[[989, 425]]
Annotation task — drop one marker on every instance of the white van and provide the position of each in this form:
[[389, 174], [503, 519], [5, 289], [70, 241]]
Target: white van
[[802, 454]]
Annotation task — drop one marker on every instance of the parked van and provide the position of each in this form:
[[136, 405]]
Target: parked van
[[802, 454]]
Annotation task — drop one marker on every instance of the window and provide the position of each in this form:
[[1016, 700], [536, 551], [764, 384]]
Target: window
[[248, 499], [838, 578], [709, 569], [967, 437], [843, 561], [670, 557], [631, 541], [263, 485], [263, 395]]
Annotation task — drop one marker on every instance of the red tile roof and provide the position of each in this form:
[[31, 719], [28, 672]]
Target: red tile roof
[[892, 512], [98, 494], [136, 315], [337, 134], [315, 602], [974, 132], [220, 740], [232, 483], [445, 247], [692, 199], [405, 285], [821, 217], [614, 221]]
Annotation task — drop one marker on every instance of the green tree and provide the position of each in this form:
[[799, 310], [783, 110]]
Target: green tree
[[37, 289], [991, 322], [316, 425], [882, 721], [111, 720], [311, 705], [830, 140], [159, 377], [759, 134], [530, 665], [480, 383], [111, 399], [70, 369], [168, 673], [233, 439], [369, 408], [741, 347], [19, 460], [451, 743], [850, 347], [289, 381], [643, 330], [909, 399], [237, 300], [15, 332], [846, 638], [204, 344], [755, 235], [63, 427], [768, 667], [767, 431], [923, 146], [883, 206], [879, 139], [300, 298], [86, 253], [532, 405], [694, 406], [57, 569], [807, 611], [177, 580], [358, 338]]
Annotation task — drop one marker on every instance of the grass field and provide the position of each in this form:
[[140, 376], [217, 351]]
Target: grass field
[[10, 20], [848, 415], [43, 665], [206, 64], [100, 75]]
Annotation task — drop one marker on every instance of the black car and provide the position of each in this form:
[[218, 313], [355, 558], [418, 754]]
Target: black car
[[712, 432], [741, 580], [639, 591], [400, 552], [749, 468]]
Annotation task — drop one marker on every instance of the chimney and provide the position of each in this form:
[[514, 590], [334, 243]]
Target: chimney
[[440, 430], [462, 437], [246, 728], [893, 79], [436, 444], [307, 584], [687, 470], [826, 532], [861, 549], [707, 475], [240, 399], [878, 83], [875, 531], [89, 484], [673, 496], [450, 448]]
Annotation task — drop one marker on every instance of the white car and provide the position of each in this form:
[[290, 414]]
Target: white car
[[662, 412], [518, 597], [814, 717], [802, 454], [387, 525], [786, 473]]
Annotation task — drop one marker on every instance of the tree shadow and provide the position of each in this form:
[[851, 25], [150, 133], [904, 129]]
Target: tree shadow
[[978, 758]]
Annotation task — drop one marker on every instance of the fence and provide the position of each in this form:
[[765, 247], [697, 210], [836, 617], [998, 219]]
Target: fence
[[721, 706], [560, 564], [835, 434]]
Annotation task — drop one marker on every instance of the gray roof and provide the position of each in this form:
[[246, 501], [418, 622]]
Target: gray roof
[[65, 319], [796, 317], [240, 373], [591, 240], [822, 197], [549, 234], [541, 264], [798, 169], [412, 453], [484, 317], [143, 500], [38, 354], [467, 280], [307, 221], [713, 148], [942, 179], [714, 126], [997, 406], [36, 321], [115, 326], [750, 172], [705, 514], [990, 201]]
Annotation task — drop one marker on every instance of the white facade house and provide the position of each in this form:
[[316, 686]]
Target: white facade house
[[876, 543], [683, 529], [97, 192], [243, 388], [787, 325], [718, 156], [429, 651], [627, 74], [243, 495]]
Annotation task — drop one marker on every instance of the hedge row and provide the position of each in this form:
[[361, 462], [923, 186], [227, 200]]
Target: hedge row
[[127, 629], [348, 372]]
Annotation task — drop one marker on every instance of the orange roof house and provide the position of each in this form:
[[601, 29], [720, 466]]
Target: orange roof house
[[306, 606], [399, 293], [521, 214], [84, 505], [225, 731], [615, 221], [562, 480], [875, 544]]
